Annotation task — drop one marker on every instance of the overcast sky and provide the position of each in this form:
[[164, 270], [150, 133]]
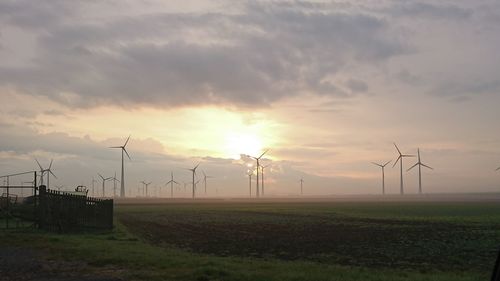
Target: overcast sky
[[326, 86]]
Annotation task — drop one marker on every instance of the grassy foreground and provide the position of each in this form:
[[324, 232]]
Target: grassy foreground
[[134, 257]]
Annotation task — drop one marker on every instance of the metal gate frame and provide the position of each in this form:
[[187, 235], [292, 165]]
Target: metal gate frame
[[5, 198]]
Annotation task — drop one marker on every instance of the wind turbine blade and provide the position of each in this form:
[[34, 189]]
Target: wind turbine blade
[[53, 174], [176, 182], [50, 165], [407, 155], [498, 169], [396, 162], [412, 167], [100, 176], [387, 163], [397, 148], [126, 141], [376, 164], [114, 147], [41, 168], [196, 167], [263, 153], [427, 166], [126, 153]]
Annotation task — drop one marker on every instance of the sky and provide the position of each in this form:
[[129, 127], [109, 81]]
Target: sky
[[326, 86]]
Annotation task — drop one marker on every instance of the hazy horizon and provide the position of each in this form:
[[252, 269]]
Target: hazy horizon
[[326, 87]]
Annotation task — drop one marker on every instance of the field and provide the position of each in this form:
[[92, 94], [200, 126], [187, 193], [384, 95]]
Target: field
[[285, 240]]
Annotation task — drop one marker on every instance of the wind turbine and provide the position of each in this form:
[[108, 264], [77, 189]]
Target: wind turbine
[[400, 159], [171, 182], [146, 186], [419, 164], [114, 185], [93, 181], [205, 177], [258, 166], [196, 183], [42, 171], [48, 171], [103, 183], [250, 173], [498, 169], [383, 174], [122, 182], [301, 186], [194, 173], [262, 171]]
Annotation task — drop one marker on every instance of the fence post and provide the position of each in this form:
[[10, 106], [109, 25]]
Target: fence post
[[42, 207]]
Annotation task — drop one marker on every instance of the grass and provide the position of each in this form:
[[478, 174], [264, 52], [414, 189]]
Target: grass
[[137, 251]]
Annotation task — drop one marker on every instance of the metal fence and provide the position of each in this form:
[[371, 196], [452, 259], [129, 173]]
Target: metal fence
[[23, 206], [64, 212]]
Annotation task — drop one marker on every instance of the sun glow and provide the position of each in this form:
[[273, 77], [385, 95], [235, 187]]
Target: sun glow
[[242, 143]]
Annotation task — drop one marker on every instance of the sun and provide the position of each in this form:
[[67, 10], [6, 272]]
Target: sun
[[242, 143]]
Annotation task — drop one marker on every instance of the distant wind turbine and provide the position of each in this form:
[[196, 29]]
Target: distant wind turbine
[[93, 182], [400, 159], [250, 173], [498, 169], [383, 174], [114, 185], [419, 164], [194, 173], [146, 187], [122, 182], [171, 182], [196, 183], [103, 184], [47, 171], [42, 171], [301, 186], [257, 159], [262, 170], [205, 177]]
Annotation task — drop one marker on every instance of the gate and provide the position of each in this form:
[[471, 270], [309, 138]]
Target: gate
[[18, 201]]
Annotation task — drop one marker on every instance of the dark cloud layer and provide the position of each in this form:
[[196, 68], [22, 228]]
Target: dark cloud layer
[[266, 52]]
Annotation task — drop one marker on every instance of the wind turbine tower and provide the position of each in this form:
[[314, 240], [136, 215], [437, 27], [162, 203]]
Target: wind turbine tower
[[171, 182], [93, 186], [383, 174], [122, 182], [114, 185], [420, 165], [250, 173], [205, 177], [194, 173], [262, 171], [400, 159], [103, 184], [301, 186], [257, 170], [146, 187]]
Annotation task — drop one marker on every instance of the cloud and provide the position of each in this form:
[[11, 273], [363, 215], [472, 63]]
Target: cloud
[[425, 10], [264, 53]]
